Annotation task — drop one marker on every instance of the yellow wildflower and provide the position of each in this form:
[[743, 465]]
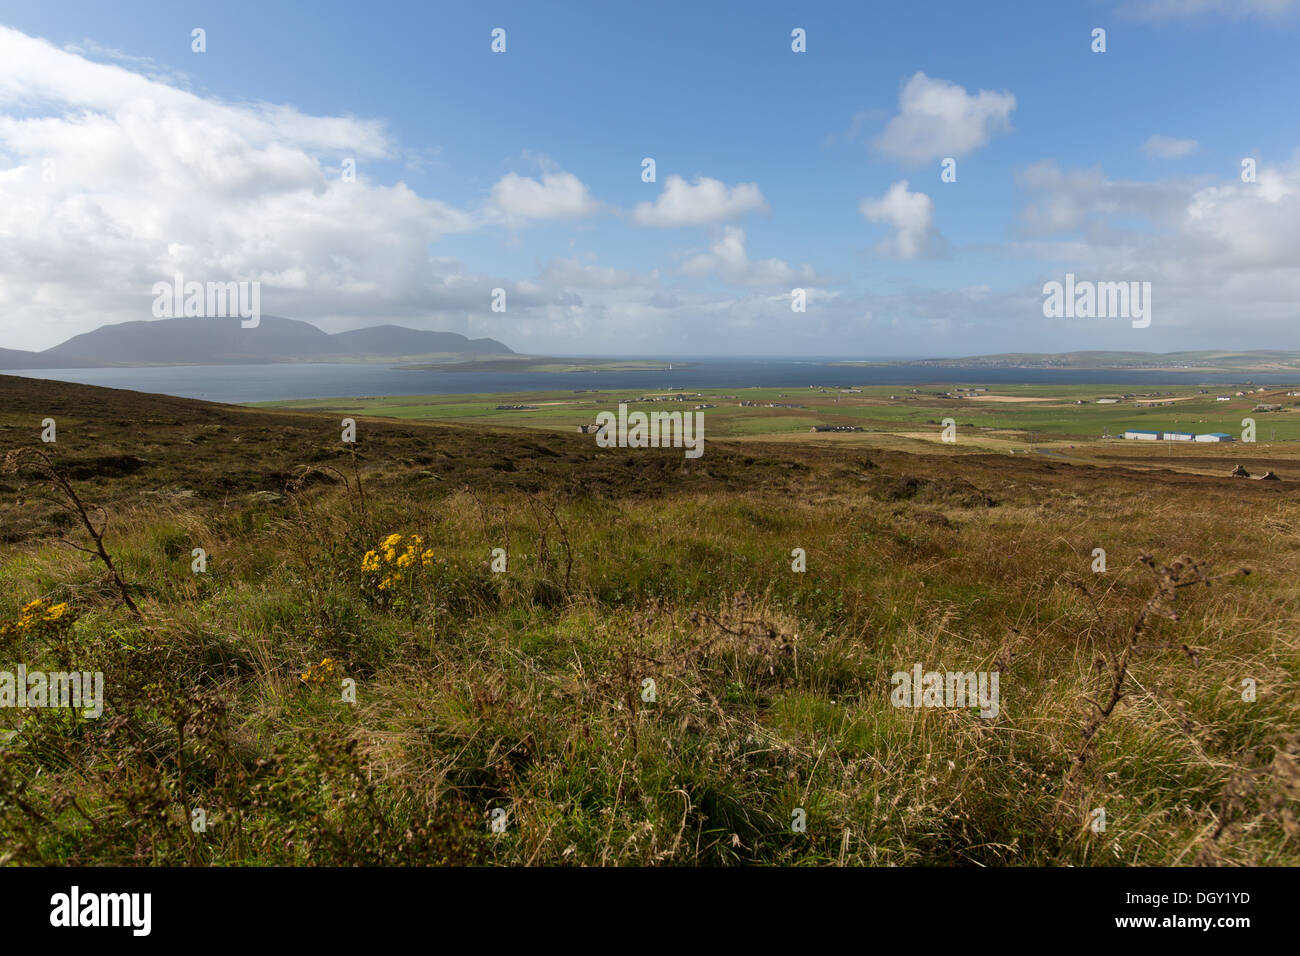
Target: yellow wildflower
[[316, 673]]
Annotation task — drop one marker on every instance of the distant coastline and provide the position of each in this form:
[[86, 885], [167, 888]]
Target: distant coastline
[[299, 380], [1207, 361], [545, 364]]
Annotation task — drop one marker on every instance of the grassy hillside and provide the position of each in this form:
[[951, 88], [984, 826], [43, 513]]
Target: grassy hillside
[[525, 691]]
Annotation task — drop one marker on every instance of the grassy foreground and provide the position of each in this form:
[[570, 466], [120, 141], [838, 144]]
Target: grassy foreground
[[522, 697]]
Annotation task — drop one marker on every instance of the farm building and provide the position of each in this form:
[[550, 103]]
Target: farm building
[[1179, 436], [1214, 436], [1142, 434]]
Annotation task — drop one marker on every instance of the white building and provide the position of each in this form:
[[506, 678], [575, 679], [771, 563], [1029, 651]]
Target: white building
[[1142, 435], [1179, 436], [1214, 436]]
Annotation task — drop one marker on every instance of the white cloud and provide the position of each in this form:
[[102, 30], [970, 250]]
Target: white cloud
[[111, 181], [937, 119], [707, 201], [1165, 147], [911, 215], [1066, 201], [145, 65], [1221, 258], [729, 260], [559, 195], [149, 180]]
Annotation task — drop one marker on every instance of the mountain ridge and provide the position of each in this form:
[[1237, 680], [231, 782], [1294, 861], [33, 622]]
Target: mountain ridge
[[223, 341]]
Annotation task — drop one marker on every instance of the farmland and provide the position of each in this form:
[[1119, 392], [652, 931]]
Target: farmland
[[1009, 419]]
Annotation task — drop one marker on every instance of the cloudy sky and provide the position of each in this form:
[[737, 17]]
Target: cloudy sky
[[127, 157]]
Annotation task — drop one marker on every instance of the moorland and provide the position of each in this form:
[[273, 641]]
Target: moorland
[[471, 636]]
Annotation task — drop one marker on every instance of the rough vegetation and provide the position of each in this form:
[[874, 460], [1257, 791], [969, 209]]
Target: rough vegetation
[[331, 565]]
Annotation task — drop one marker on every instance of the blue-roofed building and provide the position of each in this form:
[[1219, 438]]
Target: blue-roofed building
[[1215, 436]]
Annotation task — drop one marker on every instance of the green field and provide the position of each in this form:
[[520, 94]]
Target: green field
[[1053, 417]]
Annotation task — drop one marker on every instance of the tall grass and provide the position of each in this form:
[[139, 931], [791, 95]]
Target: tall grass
[[526, 691]]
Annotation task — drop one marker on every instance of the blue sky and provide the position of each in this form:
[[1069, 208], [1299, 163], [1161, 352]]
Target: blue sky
[[522, 170]]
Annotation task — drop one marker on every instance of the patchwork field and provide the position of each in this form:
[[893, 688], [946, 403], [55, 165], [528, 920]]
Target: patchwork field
[[1008, 419], [472, 636]]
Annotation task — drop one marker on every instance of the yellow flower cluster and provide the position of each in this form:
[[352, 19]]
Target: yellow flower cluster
[[319, 673], [38, 615], [392, 554]]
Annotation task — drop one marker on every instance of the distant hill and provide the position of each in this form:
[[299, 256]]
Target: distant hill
[[1221, 360], [392, 340], [200, 341]]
